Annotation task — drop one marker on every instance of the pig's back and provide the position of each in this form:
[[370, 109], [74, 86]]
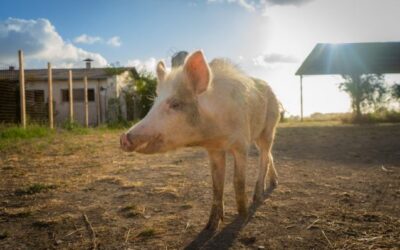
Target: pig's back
[[242, 100]]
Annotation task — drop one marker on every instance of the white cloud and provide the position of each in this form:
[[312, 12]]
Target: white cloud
[[278, 58], [114, 41], [41, 43], [253, 5], [147, 65], [247, 5], [288, 2], [86, 39], [250, 6]]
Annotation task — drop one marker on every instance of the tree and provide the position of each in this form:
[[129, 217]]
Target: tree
[[145, 88], [367, 92], [396, 91], [139, 94]]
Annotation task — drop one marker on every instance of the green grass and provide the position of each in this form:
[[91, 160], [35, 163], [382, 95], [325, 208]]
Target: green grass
[[130, 211], [3, 235], [384, 116], [377, 117], [10, 135], [34, 189], [17, 132], [74, 128], [147, 233]]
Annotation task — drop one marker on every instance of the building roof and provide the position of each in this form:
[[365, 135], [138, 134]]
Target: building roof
[[60, 74], [352, 58]]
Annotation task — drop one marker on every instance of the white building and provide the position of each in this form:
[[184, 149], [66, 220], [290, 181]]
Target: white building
[[105, 92]]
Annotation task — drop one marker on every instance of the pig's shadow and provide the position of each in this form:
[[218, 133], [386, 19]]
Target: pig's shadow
[[224, 239]]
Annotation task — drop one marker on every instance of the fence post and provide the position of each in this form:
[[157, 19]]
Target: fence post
[[98, 104], [71, 97], [50, 81], [86, 102], [301, 97], [22, 88]]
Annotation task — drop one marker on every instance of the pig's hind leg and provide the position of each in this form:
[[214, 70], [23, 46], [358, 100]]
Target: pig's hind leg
[[217, 164], [239, 179], [266, 164]]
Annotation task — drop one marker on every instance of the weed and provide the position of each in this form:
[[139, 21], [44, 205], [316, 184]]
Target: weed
[[147, 233], [74, 127], [43, 224], [130, 211], [34, 189], [3, 235]]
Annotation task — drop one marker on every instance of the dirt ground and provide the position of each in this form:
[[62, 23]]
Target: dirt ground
[[339, 189]]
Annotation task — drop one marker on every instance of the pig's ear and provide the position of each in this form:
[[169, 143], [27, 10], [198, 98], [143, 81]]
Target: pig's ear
[[197, 71], [161, 71]]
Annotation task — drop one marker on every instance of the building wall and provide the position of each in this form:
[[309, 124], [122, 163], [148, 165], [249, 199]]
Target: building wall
[[61, 109]]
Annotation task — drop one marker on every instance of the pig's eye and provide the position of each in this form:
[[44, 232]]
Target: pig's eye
[[175, 105]]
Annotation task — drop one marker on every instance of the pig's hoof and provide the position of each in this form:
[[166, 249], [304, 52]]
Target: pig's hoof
[[272, 185], [243, 213], [258, 198], [216, 216], [212, 224]]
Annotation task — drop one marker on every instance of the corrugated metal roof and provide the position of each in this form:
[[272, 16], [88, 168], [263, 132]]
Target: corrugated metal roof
[[352, 58], [58, 74]]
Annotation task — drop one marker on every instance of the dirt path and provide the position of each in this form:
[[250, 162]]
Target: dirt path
[[339, 188]]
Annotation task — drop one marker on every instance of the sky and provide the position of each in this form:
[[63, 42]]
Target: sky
[[268, 39]]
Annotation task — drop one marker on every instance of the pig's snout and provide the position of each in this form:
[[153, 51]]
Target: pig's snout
[[125, 143], [141, 143]]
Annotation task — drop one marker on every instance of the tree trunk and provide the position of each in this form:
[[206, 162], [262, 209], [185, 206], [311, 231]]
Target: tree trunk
[[357, 82]]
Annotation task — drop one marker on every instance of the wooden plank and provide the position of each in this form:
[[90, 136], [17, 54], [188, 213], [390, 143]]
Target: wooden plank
[[71, 97], [22, 87], [50, 82], [98, 104], [85, 80]]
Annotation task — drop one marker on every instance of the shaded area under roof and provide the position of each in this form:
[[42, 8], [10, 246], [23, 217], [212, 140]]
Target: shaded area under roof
[[352, 58]]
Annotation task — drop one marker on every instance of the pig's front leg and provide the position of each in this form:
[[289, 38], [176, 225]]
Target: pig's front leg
[[217, 164], [239, 179]]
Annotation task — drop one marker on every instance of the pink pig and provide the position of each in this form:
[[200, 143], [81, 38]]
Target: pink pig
[[219, 108]]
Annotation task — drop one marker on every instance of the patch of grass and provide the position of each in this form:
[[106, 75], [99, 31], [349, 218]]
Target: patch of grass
[[10, 134], [132, 185], [147, 233], [3, 235], [74, 127], [17, 132], [42, 223], [130, 211], [19, 214], [385, 116], [186, 206], [34, 189]]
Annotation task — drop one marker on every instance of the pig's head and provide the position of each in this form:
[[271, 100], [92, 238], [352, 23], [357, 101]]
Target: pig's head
[[176, 118]]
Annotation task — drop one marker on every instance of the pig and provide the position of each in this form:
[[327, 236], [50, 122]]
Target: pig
[[215, 106]]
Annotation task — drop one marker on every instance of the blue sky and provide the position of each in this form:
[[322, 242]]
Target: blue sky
[[145, 28], [266, 38]]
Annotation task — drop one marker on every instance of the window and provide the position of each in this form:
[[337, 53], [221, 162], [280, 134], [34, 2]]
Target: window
[[78, 94], [35, 96]]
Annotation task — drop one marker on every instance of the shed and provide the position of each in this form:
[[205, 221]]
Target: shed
[[350, 59], [105, 87]]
